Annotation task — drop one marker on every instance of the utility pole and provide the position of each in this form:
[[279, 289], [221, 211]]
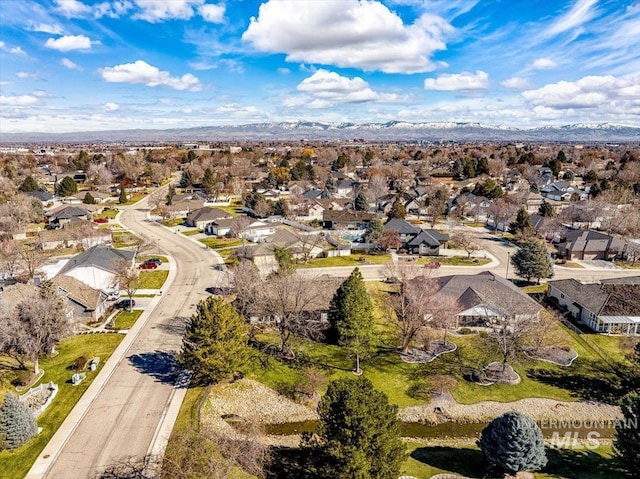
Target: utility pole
[[508, 260]]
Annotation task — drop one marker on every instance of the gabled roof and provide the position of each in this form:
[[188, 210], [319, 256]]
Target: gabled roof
[[79, 292], [100, 256], [590, 296], [347, 215], [487, 289], [401, 226], [207, 214], [617, 297], [43, 196], [69, 212], [424, 237], [591, 241]]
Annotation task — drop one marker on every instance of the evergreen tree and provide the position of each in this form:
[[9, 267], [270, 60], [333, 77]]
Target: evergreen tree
[[555, 166], [545, 209], [627, 441], [122, 199], [532, 261], [562, 158], [482, 168], [89, 199], [358, 432], [568, 175], [512, 443], [351, 316], [469, 169], [374, 231], [29, 184], [185, 179], [66, 187], [281, 207], [457, 170], [522, 226], [191, 156], [209, 181], [330, 187], [397, 210], [214, 345], [360, 202], [170, 194], [17, 424], [286, 261]]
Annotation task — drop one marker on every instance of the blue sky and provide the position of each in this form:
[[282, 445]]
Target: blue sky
[[73, 65]]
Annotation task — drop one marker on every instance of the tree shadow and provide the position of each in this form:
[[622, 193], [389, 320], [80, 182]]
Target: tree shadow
[[290, 462], [465, 461], [593, 382], [582, 464], [174, 326], [158, 364]]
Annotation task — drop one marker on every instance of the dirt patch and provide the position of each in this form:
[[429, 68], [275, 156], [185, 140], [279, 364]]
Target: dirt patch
[[435, 349], [560, 355]]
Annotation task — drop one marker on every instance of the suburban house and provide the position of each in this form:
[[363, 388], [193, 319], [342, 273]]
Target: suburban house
[[81, 234], [202, 217], [302, 246], [589, 245], [66, 214], [222, 227], [611, 306], [415, 239], [258, 230], [486, 298], [346, 219], [562, 191], [86, 303], [97, 266]]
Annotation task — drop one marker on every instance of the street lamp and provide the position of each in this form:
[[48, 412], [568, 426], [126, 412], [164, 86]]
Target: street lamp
[[508, 257]]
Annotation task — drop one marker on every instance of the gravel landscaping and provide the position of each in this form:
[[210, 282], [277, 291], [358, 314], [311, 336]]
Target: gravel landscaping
[[560, 355], [435, 349]]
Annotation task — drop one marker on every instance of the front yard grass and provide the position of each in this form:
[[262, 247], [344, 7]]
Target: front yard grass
[[109, 214], [172, 222], [191, 232], [351, 260], [152, 279], [142, 258], [126, 319], [15, 463], [454, 260], [216, 243]]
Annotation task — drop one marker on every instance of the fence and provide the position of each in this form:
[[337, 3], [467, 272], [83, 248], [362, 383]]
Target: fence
[[37, 390]]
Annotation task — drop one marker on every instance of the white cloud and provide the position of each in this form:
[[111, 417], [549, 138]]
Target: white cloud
[[458, 81], [13, 50], [141, 72], [348, 33], [47, 28], [284, 71], [72, 8], [580, 13], [543, 64], [69, 42], [65, 62], [114, 9], [516, 83], [330, 86], [212, 13], [596, 92], [26, 76], [110, 106], [155, 11], [19, 100]]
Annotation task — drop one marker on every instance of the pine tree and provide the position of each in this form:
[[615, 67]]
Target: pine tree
[[17, 424], [627, 441], [545, 209], [214, 345], [397, 210], [513, 442], [359, 432], [374, 231], [66, 187], [185, 179], [29, 184], [209, 181], [351, 316], [122, 199], [89, 199], [171, 192], [532, 261], [522, 226], [329, 188], [360, 203]]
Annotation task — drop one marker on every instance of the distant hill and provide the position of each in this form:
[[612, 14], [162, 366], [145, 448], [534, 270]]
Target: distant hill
[[391, 131]]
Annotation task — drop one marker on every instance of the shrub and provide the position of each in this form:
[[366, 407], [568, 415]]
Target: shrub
[[465, 331], [420, 390], [22, 378], [80, 363], [512, 443], [17, 424]]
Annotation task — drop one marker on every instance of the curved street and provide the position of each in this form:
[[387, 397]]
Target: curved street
[[129, 409]]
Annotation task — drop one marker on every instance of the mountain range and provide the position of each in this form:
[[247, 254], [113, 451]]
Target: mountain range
[[315, 131]]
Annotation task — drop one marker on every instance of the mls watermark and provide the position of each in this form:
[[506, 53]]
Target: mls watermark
[[582, 433]]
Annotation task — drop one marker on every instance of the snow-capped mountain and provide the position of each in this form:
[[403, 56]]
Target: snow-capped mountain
[[310, 130]]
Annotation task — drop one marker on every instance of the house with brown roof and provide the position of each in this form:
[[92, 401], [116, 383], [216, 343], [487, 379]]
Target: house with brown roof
[[346, 219], [86, 303], [611, 306]]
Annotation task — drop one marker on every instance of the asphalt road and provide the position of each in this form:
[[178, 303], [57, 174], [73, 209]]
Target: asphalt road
[[123, 418]]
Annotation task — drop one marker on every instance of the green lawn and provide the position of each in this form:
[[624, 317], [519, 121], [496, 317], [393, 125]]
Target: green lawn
[[152, 279], [216, 243], [426, 460], [135, 197], [126, 319], [145, 257], [14, 464], [234, 209], [351, 260], [454, 261], [110, 214], [190, 232], [173, 222], [123, 238]]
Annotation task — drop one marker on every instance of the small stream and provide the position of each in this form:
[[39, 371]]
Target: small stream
[[444, 430]]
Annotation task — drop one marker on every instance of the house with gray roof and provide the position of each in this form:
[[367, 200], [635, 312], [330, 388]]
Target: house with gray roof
[[415, 239], [97, 267], [590, 245], [486, 298], [203, 217], [611, 306], [66, 215]]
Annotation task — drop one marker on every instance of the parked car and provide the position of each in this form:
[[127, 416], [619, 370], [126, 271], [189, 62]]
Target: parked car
[[124, 304], [148, 266], [156, 261], [100, 220]]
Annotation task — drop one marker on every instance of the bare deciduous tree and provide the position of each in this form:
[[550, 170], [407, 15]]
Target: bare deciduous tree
[[127, 279], [10, 256], [466, 241]]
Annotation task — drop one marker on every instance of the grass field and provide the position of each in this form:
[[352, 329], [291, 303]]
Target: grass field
[[216, 243], [351, 260], [190, 232], [173, 222], [14, 464], [126, 319], [110, 214], [152, 279]]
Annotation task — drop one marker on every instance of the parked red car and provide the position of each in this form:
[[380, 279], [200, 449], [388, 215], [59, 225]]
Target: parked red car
[[100, 220], [148, 266]]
